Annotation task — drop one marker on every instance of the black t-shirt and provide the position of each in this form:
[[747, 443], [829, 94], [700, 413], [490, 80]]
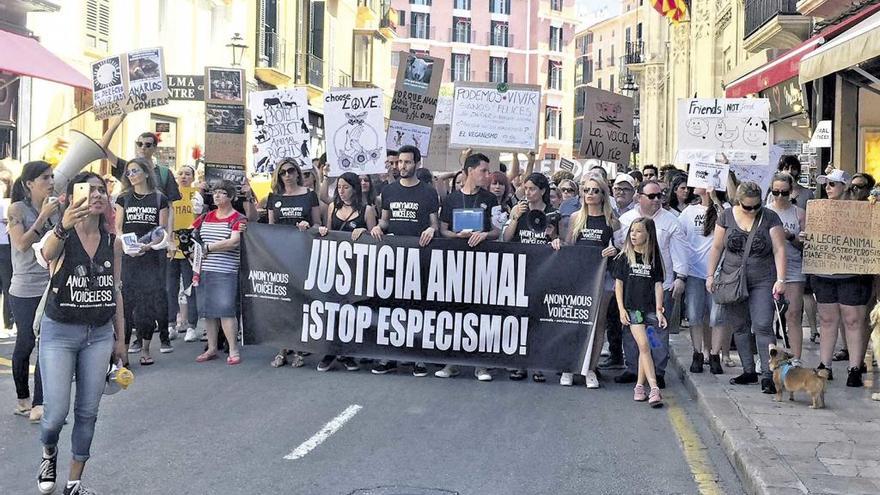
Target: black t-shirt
[[482, 199], [410, 207], [141, 215], [596, 233], [291, 210], [526, 235], [82, 288], [348, 224], [167, 183], [638, 282]]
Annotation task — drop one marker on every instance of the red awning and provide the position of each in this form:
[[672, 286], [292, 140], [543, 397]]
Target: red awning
[[25, 56]]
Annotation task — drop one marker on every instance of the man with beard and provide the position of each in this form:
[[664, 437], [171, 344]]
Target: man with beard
[[409, 208]]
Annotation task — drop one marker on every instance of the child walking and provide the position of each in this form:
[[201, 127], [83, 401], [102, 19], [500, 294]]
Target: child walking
[[638, 273]]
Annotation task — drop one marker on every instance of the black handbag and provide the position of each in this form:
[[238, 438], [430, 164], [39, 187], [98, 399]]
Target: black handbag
[[730, 287]]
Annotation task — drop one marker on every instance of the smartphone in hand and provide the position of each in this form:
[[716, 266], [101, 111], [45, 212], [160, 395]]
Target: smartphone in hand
[[80, 192]]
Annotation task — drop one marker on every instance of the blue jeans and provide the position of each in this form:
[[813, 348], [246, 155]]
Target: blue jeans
[[64, 349], [24, 309]]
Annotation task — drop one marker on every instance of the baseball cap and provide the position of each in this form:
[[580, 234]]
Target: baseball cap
[[836, 175], [625, 178]]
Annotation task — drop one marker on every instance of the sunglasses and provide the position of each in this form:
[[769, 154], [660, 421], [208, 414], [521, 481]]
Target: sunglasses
[[219, 191], [833, 184], [286, 171], [623, 189], [566, 190], [133, 172], [751, 208], [141, 144], [858, 186], [590, 190], [653, 196], [781, 193]]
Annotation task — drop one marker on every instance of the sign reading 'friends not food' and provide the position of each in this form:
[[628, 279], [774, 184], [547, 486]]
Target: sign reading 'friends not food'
[[489, 116], [129, 82], [736, 127], [415, 102], [608, 126], [842, 237]]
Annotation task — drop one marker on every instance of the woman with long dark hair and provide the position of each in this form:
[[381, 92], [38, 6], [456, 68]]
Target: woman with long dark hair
[[33, 213], [680, 195], [81, 329]]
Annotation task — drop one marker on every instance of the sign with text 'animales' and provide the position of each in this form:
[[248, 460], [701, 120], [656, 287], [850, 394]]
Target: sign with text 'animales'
[[415, 102], [843, 237], [608, 126], [489, 116], [129, 82], [354, 120], [281, 130], [737, 127]]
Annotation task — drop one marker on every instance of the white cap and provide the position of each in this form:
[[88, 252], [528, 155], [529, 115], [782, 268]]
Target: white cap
[[836, 175], [625, 178]]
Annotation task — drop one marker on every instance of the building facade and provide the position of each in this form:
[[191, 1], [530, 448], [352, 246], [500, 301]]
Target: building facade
[[501, 41]]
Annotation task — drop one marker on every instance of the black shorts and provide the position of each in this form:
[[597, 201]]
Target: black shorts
[[851, 291]]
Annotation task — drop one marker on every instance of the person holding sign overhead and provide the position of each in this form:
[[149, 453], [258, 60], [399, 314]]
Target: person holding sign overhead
[[409, 207], [467, 214]]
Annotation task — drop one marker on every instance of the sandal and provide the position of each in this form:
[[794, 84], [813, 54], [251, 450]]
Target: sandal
[[233, 360], [297, 361], [539, 377], [279, 361], [206, 356], [146, 361]]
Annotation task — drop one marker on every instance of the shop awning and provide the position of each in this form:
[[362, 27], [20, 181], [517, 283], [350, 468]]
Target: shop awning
[[773, 73], [856, 45], [23, 56]]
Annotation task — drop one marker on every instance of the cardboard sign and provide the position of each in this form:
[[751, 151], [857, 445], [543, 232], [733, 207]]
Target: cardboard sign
[[354, 121], [708, 175], [822, 135], [442, 158], [225, 144], [737, 127], [843, 237], [281, 129], [216, 172], [415, 102], [490, 116], [129, 82], [183, 208], [186, 87], [608, 126]]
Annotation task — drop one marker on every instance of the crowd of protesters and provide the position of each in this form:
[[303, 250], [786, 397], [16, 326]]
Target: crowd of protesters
[[665, 243]]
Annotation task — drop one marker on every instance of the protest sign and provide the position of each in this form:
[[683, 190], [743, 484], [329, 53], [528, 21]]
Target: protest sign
[[499, 304], [129, 82], [225, 144], [415, 102], [708, 175], [608, 126], [759, 174], [489, 116], [737, 127], [281, 128], [186, 87], [842, 237], [443, 158], [183, 208], [822, 135], [443, 115], [354, 121]]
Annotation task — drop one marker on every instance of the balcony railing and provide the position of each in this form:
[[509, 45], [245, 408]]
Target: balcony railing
[[635, 52], [389, 16], [499, 39], [310, 70], [419, 31], [758, 12], [457, 75], [458, 35], [341, 79], [499, 77], [273, 50]]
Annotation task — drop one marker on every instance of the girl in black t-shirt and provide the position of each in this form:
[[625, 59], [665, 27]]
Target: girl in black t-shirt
[[638, 272]]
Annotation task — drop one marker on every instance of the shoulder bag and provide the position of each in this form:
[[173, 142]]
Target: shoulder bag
[[730, 287]]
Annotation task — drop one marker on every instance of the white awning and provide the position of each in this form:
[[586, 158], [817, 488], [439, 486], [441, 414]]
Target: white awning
[[853, 47]]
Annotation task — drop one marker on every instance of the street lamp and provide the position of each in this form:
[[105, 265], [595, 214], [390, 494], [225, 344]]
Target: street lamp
[[238, 47]]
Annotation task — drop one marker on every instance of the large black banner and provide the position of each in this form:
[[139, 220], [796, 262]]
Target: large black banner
[[499, 304]]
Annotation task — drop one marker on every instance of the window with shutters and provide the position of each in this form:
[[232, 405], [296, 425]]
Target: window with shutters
[[553, 123], [98, 25]]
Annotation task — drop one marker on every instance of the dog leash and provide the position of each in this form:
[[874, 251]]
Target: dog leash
[[779, 321]]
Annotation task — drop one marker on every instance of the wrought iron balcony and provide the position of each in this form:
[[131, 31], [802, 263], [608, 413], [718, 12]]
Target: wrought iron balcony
[[759, 12], [271, 50], [310, 70], [635, 52]]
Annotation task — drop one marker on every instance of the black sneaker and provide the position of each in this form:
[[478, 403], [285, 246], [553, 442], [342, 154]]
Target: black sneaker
[[661, 382], [822, 367], [612, 363], [767, 386], [744, 379], [420, 370], [625, 377], [854, 377], [384, 367], [841, 355], [697, 363], [715, 364], [326, 363], [863, 368], [46, 476], [517, 375], [349, 363], [77, 489]]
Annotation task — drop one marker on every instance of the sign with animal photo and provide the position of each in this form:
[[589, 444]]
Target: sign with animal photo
[[496, 116], [281, 130], [608, 126], [415, 102], [129, 82], [708, 175], [354, 121], [737, 127], [225, 143], [842, 237], [224, 85]]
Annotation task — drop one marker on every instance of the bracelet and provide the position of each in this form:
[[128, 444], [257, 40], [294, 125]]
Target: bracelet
[[60, 232]]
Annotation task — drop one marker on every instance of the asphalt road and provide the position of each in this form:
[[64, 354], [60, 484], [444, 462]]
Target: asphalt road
[[188, 428]]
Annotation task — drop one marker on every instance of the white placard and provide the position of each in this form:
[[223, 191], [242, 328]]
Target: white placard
[[822, 135], [708, 175], [444, 105], [354, 121], [281, 128], [405, 133], [129, 82], [759, 174], [737, 127], [483, 117]]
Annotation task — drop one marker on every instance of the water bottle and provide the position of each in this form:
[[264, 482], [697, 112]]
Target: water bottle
[[652, 337]]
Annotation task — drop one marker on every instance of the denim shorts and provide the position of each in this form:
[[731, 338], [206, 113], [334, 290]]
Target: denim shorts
[[699, 303], [637, 317]]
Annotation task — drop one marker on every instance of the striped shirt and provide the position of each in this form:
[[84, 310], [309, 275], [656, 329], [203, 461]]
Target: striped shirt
[[213, 229]]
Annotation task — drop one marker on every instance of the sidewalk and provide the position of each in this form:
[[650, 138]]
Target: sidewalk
[[788, 448]]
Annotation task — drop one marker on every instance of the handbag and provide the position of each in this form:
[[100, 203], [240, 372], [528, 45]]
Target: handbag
[[731, 287]]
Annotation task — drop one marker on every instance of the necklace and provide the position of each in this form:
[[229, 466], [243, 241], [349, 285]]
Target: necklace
[[138, 196]]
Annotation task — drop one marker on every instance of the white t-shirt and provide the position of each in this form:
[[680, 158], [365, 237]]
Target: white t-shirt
[[691, 220]]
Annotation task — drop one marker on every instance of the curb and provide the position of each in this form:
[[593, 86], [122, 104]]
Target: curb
[[761, 469]]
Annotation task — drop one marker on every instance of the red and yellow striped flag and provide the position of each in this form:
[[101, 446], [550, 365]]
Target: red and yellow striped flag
[[675, 10]]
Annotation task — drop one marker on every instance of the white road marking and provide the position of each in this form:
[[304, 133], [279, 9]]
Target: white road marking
[[324, 433]]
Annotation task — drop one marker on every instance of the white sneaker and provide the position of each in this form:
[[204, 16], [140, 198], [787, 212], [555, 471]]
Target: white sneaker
[[447, 371], [191, 335], [566, 380], [591, 379], [172, 333], [605, 350], [483, 375]]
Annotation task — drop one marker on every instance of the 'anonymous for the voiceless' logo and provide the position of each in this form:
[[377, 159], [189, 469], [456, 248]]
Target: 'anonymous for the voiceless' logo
[[568, 308]]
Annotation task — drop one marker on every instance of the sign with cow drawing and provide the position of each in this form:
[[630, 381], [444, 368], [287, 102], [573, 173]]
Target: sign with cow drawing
[[225, 119], [281, 128], [354, 123], [415, 102], [608, 127], [737, 127]]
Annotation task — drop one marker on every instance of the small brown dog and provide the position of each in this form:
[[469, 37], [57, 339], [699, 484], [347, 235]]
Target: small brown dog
[[795, 379]]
